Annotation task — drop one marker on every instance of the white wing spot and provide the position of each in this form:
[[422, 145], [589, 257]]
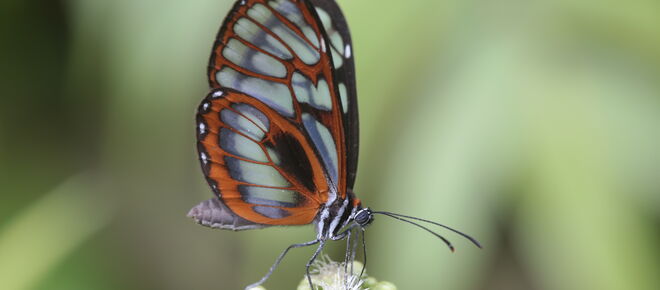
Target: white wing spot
[[204, 158], [347, 51], [343, 96], [202, 128], [217, 94]]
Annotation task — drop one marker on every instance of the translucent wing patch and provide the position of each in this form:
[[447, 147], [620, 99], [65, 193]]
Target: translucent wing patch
[[274, 94], [324, 143], [253, 60], [318, 96], [259, 164], [300, 45], [339, 51]]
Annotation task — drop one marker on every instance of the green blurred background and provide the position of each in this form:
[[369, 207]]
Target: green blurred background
[[532, 125]]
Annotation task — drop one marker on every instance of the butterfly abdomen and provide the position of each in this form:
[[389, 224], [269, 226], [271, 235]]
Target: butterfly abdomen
[[212, 213]]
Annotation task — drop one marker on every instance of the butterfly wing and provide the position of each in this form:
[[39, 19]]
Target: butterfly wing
[[272, 135], [341, 48]]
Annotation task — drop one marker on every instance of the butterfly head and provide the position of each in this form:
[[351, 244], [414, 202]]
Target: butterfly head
[[364, 217]]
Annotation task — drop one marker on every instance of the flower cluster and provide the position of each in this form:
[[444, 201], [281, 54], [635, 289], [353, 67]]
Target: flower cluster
[[330, 275]]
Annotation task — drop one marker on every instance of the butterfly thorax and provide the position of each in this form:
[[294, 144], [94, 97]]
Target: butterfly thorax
[[333, 217]]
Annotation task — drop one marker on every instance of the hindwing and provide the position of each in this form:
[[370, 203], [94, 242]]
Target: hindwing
[[259, 163]]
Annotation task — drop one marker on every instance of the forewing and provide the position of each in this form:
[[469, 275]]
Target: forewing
[[278, 53], [258, 163]]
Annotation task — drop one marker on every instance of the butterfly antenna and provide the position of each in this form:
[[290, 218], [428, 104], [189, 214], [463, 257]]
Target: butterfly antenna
[[471, 239], [451, 247]]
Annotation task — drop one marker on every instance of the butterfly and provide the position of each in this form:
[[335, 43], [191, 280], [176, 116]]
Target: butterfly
[[277, 135]]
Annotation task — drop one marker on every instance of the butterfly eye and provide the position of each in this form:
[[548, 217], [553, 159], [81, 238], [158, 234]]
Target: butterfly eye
[[364, 217]]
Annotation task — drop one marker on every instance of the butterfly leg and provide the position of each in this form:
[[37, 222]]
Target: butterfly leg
[[279, 259], [354, 249], [351, 244], [364, 251], [311, 261], [349, 254]]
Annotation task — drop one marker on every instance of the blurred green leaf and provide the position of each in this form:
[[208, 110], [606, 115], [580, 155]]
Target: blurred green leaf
[[40, 236]]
